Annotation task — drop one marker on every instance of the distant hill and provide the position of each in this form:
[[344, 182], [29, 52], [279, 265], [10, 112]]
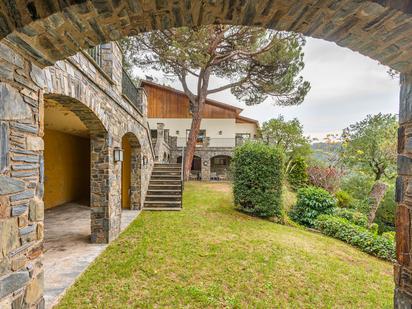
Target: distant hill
[[325, 152]]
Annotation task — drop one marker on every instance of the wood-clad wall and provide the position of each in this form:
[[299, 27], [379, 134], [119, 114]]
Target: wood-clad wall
[[165, 103]]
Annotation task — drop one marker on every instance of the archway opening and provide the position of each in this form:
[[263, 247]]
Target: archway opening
[[131, 172], [196, 170], [219, 168]]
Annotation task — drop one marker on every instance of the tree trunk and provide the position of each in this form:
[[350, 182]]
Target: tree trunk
[[192, 140], [377, 193]]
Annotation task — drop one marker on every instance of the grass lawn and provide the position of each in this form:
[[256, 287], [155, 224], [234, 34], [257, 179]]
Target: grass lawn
[[210, 255]]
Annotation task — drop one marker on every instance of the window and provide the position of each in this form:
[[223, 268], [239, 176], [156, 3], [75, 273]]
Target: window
[[220, 161], [200, 137], [241, 137]]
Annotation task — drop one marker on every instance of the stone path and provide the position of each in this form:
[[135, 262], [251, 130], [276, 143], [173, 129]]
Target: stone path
[[67, 248]]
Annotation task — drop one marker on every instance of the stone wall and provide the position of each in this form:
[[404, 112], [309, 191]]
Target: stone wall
[[53, 30], [93, 94]]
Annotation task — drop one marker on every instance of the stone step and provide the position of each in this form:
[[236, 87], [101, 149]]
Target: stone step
[[172, 165], [163, 204], [163, 173], [164, 191], [161, 187], [165, 178], [165, 198], [165, 181], [162, 208]]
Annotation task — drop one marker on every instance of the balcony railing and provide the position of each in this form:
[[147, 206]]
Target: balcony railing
[[215, 142], [96, 54], [130, 91]]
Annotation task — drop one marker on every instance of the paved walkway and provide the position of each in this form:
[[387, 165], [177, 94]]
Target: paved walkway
[[67, 248]]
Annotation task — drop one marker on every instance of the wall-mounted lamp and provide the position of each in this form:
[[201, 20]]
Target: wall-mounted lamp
[[220, 132], [205, 163], [145, 161], [177, 132], [118, 154]]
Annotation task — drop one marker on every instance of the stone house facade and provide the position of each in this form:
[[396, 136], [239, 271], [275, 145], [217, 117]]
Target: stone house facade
[[94, 94], [222, 129]]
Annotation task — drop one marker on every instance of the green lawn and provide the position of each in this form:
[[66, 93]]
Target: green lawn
[[210, 255]]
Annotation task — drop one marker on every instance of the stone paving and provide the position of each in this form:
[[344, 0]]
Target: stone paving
[[67, 247]]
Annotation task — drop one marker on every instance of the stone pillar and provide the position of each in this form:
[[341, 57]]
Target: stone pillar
[[205, 173], [403, 267], [105, 188], [21, 181], [159, 141]]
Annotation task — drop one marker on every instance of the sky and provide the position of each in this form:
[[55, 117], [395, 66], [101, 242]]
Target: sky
[[345, 87]]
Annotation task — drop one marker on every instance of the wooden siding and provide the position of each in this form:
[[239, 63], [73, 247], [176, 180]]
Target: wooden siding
[[166, 103]]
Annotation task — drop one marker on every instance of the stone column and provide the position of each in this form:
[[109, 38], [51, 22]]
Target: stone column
[[21, 181], [403, 267], [205, 174], [105, 188], [159, 141]]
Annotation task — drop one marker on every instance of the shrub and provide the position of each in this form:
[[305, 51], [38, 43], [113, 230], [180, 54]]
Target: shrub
[[258, 179], [312, 202], [327, 178], [374, 228], [353, 216], [344, 199], [389, 235], [385, 216], [298, 176], [357, 236]]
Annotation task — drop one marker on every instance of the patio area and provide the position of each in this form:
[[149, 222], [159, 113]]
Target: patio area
[[67, 248]]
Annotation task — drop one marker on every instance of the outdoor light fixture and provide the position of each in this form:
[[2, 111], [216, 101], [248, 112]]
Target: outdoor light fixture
[[118, 154], [220, 132], [205, 163], [144, 161], [177, 132]]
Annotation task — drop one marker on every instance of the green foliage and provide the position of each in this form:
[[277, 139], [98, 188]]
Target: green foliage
[[389, 235], [374, 228], [357, 236], [288, 135], [344, 199], [312, 202], [258, 179], [353, 216], [370, 145], [385, 216], [257, 63], [298, 176], [358, 185]]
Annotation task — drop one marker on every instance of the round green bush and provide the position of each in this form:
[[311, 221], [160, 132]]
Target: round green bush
[[351, 215], [344, 199], [257, 179], [312, 202]]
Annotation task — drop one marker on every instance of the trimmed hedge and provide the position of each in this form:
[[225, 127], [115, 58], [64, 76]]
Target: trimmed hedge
[[353, 216], [312, 202], [357, 236], [298, 176], [257, 179]]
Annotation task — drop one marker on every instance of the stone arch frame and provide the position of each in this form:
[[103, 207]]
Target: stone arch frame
[[375, 28], [135, 170], [100, 146], [225, 155]]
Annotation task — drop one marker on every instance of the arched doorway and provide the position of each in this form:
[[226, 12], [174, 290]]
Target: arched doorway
[[131, 172], [219, 167], [196, 170]]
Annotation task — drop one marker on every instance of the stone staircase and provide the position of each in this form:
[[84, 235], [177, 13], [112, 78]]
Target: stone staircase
[[165, 188]]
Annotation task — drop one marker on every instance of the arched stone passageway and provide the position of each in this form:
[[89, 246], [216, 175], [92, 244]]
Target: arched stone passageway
[[378, 29], [196, 170], [219, 167], [37, 34], [131, 172]]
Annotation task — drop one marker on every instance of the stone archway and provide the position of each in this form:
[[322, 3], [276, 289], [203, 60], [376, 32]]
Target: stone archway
[[131, 172], [44, 33], [219, 167], [99, 154]]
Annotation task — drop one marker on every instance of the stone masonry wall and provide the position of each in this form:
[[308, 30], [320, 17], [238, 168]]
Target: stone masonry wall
[[94, 97]]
